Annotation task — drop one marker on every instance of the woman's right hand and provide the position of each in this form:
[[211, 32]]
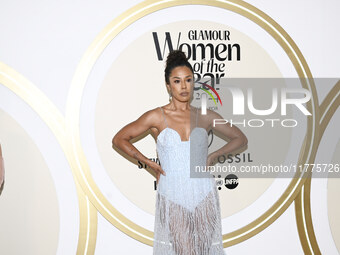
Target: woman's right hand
[[158, 170]]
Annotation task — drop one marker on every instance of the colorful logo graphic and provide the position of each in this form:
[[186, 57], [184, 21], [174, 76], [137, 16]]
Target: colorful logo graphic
[[209, 93]]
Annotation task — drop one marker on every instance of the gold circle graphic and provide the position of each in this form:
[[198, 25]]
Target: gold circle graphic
[[86, 64], [48, 112]]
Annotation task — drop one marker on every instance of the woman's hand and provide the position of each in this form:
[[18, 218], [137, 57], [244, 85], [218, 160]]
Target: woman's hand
[[158, 170], [212, 159]]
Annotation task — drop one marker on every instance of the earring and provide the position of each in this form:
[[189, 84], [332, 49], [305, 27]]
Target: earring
[[170, 97]]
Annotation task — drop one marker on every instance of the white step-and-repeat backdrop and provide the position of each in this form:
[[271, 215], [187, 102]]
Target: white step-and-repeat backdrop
[[72, 73]]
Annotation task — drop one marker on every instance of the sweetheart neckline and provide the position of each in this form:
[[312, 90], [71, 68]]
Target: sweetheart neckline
[[206, 133]]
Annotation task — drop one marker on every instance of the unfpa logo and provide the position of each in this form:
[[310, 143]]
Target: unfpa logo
[[231, 181]]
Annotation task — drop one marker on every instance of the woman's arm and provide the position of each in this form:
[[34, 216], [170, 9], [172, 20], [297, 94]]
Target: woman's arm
[[237, 138], [122, 139]]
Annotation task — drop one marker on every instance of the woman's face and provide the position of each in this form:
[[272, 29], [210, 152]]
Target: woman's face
[[181, 83]]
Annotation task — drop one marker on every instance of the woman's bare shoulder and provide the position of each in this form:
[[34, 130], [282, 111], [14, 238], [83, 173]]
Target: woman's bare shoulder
[[155, 116], [154, 112], [152, 115], [208, 118]]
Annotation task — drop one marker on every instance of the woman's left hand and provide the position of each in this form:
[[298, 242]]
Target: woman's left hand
[[212, 159]]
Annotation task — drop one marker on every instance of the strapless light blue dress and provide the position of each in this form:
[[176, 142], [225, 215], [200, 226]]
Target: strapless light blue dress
[[187, 217]]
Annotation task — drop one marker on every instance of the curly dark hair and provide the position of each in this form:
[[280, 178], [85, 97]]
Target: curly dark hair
[[175, 58]]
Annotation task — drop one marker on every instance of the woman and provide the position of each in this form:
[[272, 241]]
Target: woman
[[187, 218]]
